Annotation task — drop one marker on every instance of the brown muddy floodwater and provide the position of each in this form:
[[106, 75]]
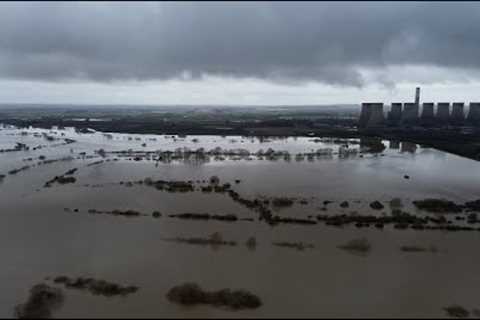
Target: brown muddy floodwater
[[42, 236]]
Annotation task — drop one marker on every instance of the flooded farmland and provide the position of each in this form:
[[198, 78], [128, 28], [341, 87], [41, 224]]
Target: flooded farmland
[[307, 227]]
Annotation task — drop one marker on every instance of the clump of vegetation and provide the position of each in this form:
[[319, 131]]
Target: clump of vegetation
[[300, 246], [223, 188], [457, 311], [96, 287], [116, 212], [251, 243], [193, 294], [169, 186], [372, 145], [361, 245], [215, 240], [414, 248], [277, 220], [472, 218], [396, 203], [438, 205], [101, 152], [476, 313], [344, 204], [15, 171], [207, 189], [376, 205], [95, 163], [126, 213], [60, 180], [282, 202], [43, 300], [214, 180], [473, 205], [205, 216], [64, 180], [70, 172]]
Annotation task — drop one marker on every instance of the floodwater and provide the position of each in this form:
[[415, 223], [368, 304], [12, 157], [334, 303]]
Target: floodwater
[[39, 238]]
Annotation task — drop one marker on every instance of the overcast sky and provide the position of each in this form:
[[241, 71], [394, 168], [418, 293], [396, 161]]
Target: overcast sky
[[238, 53]]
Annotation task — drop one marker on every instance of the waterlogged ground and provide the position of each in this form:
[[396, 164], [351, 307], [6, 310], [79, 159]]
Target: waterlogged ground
[[42, 235]]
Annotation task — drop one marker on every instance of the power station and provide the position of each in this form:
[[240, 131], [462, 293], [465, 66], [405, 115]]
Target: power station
[[409, 113]]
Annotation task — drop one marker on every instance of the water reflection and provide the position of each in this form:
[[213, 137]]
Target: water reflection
[[408, 147], [394, 144]]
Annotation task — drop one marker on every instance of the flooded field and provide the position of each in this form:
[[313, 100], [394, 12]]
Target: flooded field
[[281, 218]]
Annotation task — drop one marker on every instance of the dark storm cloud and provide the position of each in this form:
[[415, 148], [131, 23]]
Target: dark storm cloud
[[326, 42]]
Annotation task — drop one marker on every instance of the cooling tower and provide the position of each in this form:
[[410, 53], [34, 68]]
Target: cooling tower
[[371, 115], [474, 113], [395, 113], [410, 112], [364, 115], [427, 110], [443, 111], [377, 117], [457, 112]]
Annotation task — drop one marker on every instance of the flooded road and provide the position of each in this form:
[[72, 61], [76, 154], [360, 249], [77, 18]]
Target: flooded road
[[42, 236]]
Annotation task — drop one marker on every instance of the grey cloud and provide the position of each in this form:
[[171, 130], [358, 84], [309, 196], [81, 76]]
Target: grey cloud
[[281, 42]]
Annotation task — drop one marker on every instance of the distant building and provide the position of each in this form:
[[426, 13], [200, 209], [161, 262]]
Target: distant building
[[364, 115], [474, 113], [371, 115], [377, 118], [410, 113], [427, 110], [443, 111], [457, 115], [395, 114]]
